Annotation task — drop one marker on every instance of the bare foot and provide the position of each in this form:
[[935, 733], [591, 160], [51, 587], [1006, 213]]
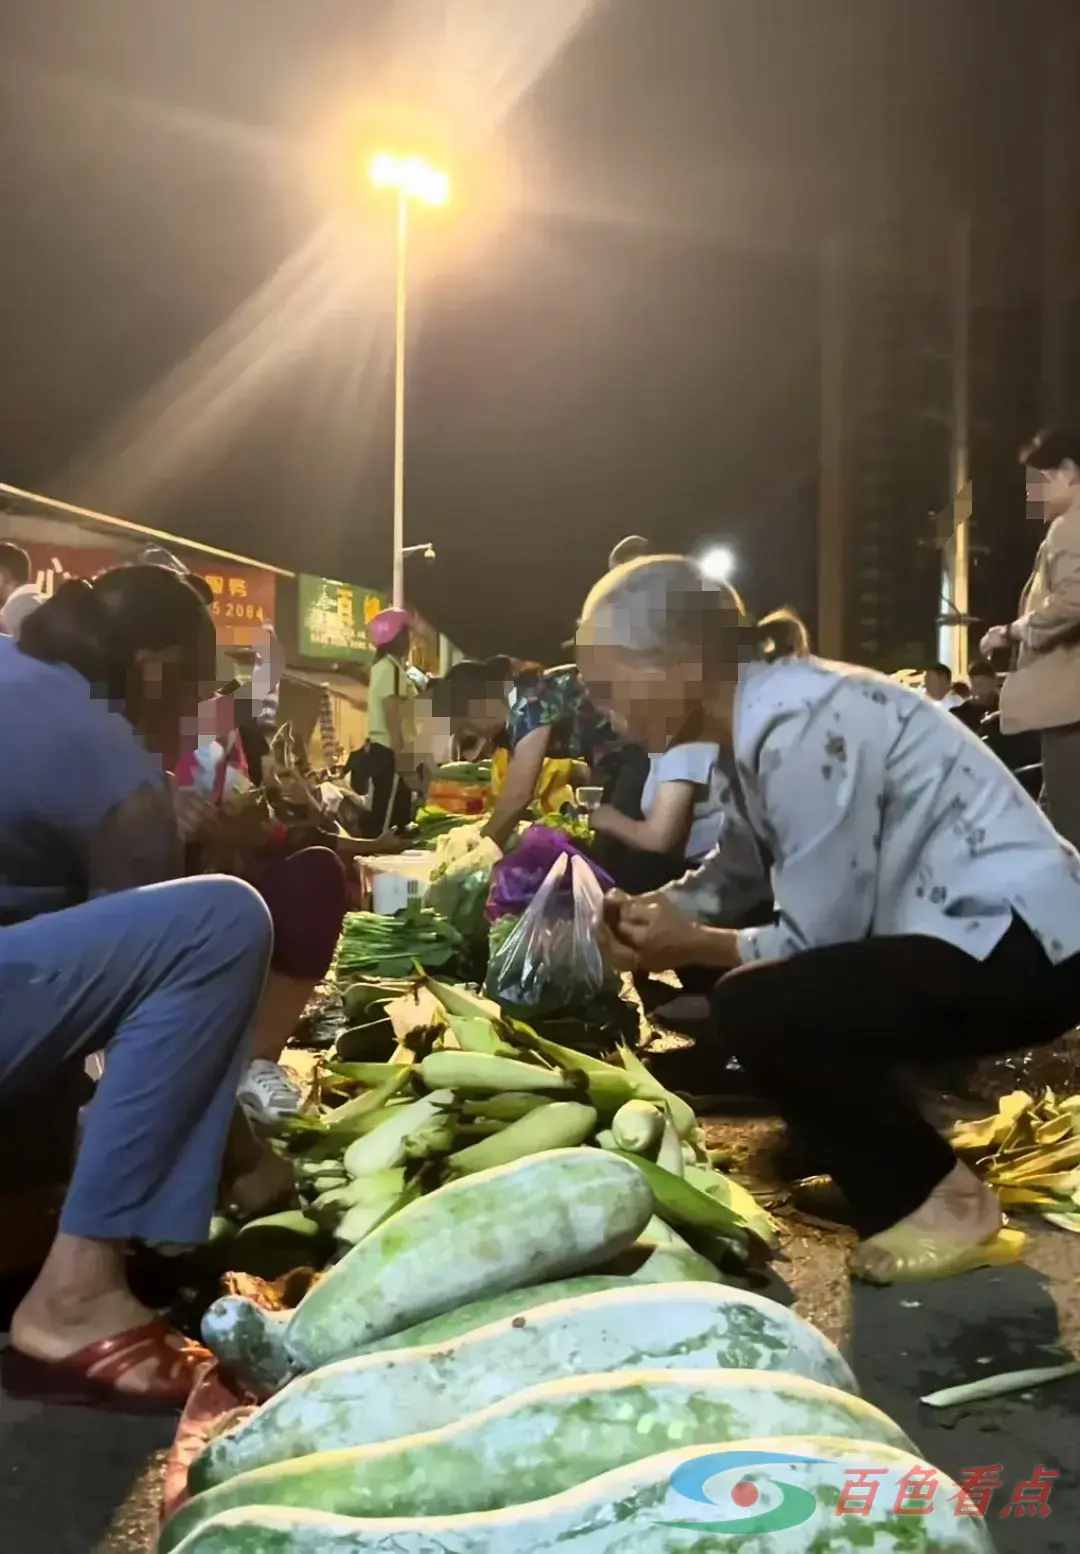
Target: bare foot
[[52, 1328]]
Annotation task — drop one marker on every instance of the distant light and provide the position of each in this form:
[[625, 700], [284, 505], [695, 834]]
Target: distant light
[[419, 179], [718, 564]]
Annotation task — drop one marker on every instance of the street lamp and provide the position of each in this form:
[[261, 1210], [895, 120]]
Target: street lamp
[[413, 179], [718, 564]]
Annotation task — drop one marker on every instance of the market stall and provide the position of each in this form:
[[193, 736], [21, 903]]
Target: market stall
[[513, 1253]]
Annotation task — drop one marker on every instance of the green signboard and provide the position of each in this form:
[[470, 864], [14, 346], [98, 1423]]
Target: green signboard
[[334, 617]]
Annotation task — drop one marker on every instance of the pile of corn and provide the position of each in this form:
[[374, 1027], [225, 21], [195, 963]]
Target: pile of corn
[[466, 1089], [1029, 1152]]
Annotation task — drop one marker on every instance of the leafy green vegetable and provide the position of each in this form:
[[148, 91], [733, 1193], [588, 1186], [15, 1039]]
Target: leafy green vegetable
[[372, 945], [577, 829]]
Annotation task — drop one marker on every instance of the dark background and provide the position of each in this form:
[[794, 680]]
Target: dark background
[[633, 347]]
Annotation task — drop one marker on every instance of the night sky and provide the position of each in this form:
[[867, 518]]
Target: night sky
[[622, 338]]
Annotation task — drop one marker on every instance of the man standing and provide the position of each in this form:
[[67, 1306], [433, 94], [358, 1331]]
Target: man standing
[[1042, 694], [18, 596]]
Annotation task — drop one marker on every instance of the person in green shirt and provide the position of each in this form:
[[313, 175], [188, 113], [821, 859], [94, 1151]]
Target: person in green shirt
[[381, 763]]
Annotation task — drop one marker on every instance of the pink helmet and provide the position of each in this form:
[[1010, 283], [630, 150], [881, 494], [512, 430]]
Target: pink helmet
[[388, 624]]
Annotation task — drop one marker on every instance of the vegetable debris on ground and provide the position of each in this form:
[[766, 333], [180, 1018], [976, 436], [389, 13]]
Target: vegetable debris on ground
[[1029, 1152]]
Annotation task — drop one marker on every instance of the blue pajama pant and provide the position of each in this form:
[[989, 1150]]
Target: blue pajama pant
[[167, 980]]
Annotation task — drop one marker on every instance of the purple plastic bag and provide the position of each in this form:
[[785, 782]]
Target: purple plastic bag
[[516, 878]]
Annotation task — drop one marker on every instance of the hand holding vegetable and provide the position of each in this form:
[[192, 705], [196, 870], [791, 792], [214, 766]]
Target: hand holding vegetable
[[617, 955], [657, 931]]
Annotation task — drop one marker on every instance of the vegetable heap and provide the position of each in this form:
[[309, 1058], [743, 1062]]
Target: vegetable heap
[[372, 945], [464, 1089], [518, 1352], [1029, 1152]]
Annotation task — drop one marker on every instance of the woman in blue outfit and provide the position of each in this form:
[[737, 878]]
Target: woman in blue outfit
[[102, 693], [925, 908], [93, 702], [167, 980]]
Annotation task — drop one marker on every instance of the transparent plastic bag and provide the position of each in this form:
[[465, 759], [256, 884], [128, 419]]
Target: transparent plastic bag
[[552, 961]]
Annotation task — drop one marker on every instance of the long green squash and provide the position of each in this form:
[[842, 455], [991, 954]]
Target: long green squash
[[668, 1263], [249, 1341], [478, 1313], [544, 1440], [538, 1218], [640, 1510], [378, 1397]]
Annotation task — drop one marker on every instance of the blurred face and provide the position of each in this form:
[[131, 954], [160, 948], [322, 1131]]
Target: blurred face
[[165, 692], [434, 738], [936, 684], [487, 715], [984, 687], [1051, 492], [8, 586], [647, 702]]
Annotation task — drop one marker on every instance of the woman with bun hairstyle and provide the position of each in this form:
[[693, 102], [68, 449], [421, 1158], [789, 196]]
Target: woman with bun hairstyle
[[164, 977], [925, 909], [88, 807]]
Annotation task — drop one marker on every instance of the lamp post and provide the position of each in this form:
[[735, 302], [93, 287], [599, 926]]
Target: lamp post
[[412, 178]]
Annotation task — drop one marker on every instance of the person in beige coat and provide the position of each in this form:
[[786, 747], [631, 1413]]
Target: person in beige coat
[[1042, 693]]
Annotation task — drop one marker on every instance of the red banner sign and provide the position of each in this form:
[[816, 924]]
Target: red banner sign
[[244, 597], [52, 565]]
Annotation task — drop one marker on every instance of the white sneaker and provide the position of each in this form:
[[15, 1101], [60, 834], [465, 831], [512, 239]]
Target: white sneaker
[[267, 1093]]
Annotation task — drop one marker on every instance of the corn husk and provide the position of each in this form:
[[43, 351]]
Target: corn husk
[[1029, 1152]]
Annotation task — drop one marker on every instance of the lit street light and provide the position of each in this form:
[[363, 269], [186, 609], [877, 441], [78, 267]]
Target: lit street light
[[718, 564], [413, 179]]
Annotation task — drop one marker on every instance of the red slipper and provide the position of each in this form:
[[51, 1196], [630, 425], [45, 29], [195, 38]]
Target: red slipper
[[90, 1377]]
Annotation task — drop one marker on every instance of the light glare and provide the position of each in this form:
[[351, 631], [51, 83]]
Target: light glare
[[718, 564], [412, 175]]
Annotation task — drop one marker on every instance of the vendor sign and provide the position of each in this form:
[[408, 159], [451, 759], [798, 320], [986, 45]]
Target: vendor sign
[[334, 618], [51, 565], [244, 599]]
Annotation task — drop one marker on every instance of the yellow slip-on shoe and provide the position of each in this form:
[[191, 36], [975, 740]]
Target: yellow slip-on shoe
[[903, 1255]]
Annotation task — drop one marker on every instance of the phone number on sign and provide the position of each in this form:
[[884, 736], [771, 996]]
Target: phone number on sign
[[237, 612]]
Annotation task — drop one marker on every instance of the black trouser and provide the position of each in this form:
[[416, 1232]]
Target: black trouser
[[1061, 780], [822, 1034], [391, 806]]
